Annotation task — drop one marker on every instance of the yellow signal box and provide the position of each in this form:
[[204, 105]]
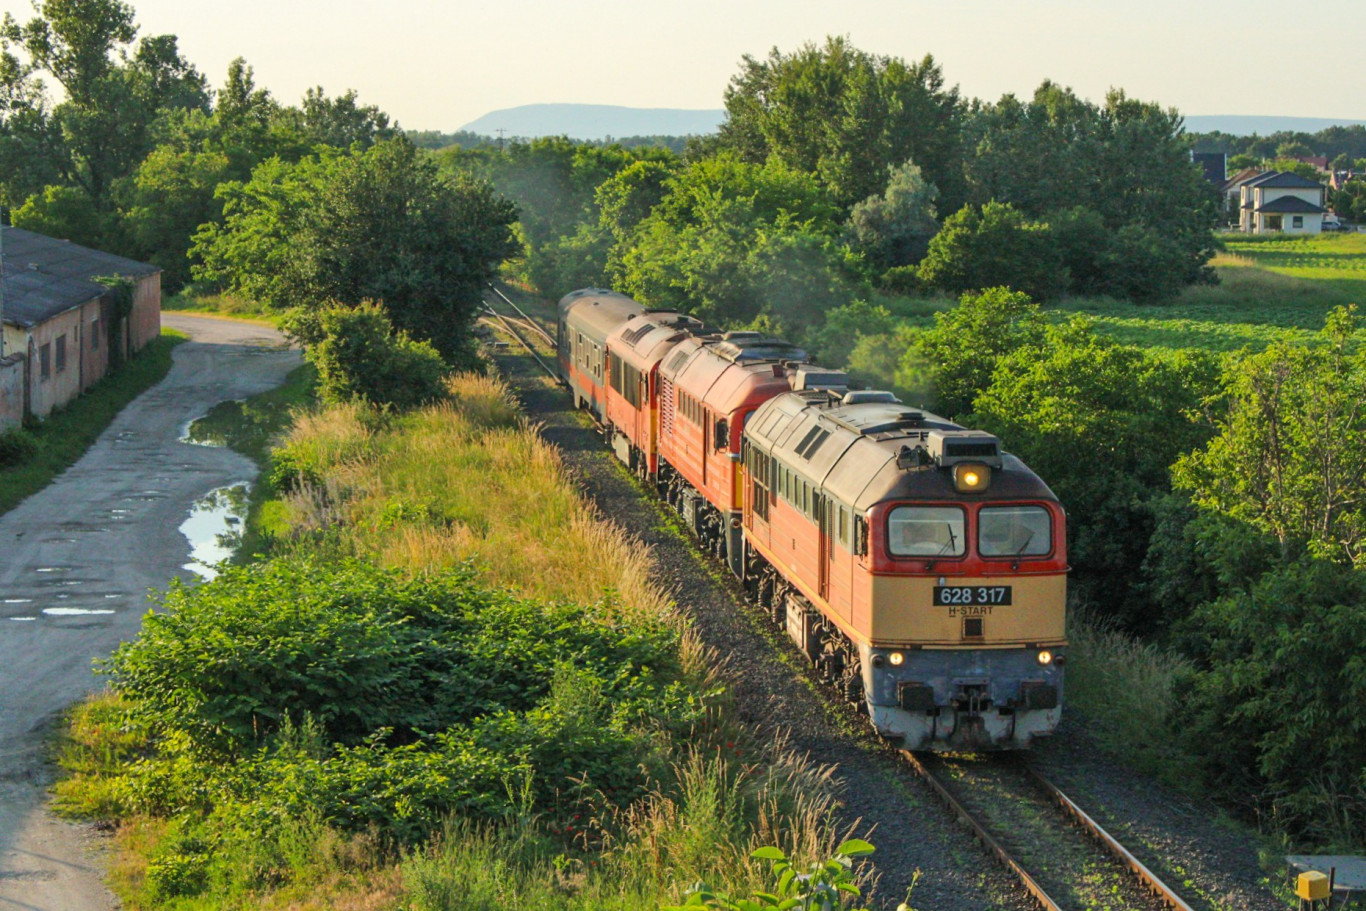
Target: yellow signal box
[[1312, 886]]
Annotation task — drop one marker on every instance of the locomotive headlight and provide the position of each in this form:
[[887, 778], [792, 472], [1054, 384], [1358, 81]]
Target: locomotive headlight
[[971, 477], [1045, 657], [897, 659]]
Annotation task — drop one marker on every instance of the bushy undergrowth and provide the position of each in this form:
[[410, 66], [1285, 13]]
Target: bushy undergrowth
[[449, 663], [17, 446]]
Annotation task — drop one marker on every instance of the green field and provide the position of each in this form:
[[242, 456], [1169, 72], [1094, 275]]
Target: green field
[[1268, 287]]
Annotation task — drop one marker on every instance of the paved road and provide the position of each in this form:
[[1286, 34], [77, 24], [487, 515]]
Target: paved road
[[76, 562]]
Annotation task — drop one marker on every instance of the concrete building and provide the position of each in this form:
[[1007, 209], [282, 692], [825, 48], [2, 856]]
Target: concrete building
[[67, 326]]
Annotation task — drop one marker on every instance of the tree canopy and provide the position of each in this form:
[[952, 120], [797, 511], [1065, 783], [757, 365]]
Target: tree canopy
[[381, 224]]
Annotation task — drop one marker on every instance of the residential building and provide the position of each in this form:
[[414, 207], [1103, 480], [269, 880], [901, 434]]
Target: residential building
[[1281, 202]]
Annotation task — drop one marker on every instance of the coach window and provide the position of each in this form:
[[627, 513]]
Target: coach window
[[926, 531], [1014, 531]]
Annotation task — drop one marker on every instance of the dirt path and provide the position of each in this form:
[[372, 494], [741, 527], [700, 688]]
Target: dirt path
[[76, 563]]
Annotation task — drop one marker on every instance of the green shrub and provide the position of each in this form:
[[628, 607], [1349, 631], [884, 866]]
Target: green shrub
[[994, 245], [1275, 710], [359, 355], [17, 446], [821, 887], [360, 650]]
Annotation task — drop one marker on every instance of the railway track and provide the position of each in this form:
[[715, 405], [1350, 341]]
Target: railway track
[[510, 326], [1061, 856]]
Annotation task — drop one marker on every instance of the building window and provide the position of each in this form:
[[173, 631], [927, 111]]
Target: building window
[[61, 353], [45, 361], [1297, 221], [95, 334]]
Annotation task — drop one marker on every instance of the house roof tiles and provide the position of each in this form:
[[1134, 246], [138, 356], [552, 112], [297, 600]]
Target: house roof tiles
[[1283, 180], [44, 276], [1290, 205]]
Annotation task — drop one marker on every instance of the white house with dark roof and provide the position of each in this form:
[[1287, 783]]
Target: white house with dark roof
[[62, 322], [1281, 202]]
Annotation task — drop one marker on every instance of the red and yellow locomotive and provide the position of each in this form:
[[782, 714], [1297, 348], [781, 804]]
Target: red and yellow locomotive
[[920, 567]]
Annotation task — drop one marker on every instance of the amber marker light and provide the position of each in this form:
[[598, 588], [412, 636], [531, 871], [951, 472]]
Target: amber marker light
[[970, 477], [896, 658], [1045, 657]]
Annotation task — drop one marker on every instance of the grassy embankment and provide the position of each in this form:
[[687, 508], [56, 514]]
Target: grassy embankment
[[601, 772], [64, 436]]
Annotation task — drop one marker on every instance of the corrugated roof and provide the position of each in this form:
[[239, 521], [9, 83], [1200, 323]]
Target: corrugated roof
[[44, 276], [1290, 205]]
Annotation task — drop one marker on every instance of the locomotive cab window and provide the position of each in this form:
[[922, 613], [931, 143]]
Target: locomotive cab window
[[926, 531], [1014, 531]]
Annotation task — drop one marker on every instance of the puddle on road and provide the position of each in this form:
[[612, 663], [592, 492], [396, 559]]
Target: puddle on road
[[212, 429], [214, 528]]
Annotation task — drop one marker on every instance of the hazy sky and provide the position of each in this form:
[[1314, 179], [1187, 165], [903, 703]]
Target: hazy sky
[[438, 65]]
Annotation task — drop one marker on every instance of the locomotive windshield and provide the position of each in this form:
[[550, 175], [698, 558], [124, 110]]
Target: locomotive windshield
[[1014, 531], [926, 531]]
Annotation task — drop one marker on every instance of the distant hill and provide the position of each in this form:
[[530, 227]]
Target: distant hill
[[1239, 125], [595, 121]]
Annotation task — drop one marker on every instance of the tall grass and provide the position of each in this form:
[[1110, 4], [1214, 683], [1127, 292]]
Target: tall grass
[[467, 480], [714, 814], [1126, 689]]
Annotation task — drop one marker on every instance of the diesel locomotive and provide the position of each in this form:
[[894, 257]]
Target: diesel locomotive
[[919, 566]]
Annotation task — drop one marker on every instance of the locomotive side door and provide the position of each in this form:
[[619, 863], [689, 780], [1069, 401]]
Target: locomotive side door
[[827, 552]]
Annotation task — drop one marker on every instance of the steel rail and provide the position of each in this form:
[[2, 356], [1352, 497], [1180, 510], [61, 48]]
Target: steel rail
[[1150, 879], [988, 841], [512, 330], [535, 326]]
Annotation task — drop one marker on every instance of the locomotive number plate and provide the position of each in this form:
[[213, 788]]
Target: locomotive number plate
[[955, 595]]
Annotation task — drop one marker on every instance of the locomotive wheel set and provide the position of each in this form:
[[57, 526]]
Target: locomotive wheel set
[[920, 567]]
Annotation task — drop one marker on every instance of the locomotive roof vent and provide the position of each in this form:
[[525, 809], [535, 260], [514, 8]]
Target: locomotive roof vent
[[756, 347], [741, 337], [949, 447], [811, 377], [869, 396]]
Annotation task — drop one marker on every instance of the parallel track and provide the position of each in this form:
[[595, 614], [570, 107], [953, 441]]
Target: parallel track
[[511, 329], [535, 326], [1153, 889]]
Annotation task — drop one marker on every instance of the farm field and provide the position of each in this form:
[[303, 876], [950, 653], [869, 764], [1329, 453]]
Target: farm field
[[1269, 287]]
